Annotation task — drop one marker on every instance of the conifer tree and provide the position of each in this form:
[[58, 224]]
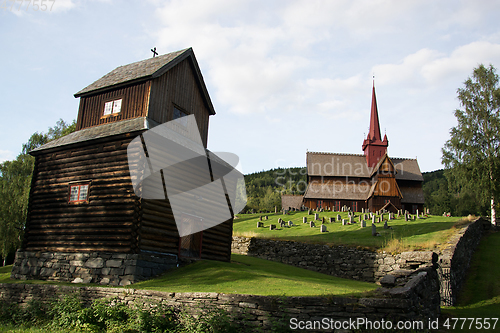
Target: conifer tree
[[472, 154]]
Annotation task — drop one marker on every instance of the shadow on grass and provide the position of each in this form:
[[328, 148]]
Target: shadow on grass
[[248, 275]]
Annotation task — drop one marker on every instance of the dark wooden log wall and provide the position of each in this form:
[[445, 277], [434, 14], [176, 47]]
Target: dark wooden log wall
[[312, 203], [135, 101], [178, 87], [106, 223]]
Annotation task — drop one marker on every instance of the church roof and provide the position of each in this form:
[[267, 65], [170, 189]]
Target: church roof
[[354, 165], [145, 70], [98, 132], [292, 201], [412, 195], [338, 191]]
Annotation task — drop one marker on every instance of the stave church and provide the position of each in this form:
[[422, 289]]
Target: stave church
[[369, 181]]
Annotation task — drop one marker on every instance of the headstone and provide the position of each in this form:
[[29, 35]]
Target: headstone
[[260, 224], [363, 224], [338, 217], [351, 218], [417, 212], [374, 230], [413, 218], [266, 217], [316, 216], [406, 218], [344, 222], [385, 225], [272, 227], [331, 219], [304, 219], [311, 224], [290, 223], [282, 224], [260, 218], [308, 212], [382, 217], [323, 220], [360, 218], [323, 228], [373, 219]]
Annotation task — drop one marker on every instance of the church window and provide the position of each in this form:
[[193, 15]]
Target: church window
[[79, 192], [179, 116], [112, 107]]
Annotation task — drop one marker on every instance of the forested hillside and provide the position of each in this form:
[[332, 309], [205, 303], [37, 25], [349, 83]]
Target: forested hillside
[[264, 191], [264, 188]]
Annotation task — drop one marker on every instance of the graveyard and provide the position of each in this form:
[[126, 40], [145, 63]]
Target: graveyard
[[425, 232]]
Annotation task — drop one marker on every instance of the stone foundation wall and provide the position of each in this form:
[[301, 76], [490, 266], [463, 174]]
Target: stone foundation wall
[[412, 300], [98, 267]]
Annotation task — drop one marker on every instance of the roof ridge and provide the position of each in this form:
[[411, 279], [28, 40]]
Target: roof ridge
[[340, 154]]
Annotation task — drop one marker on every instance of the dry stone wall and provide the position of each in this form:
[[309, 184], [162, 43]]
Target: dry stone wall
[[340, 261], [413, 300]]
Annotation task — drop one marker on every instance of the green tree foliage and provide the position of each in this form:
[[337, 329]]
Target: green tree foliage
[[15, 183], [472, 154], [439, 199], [264, 188]]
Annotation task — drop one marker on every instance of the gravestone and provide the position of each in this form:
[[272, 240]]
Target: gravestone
[[344, 222], [311, 224], [260, 218], [266, 217], [323, 228], [373, 219], [282, 224], [363, 224], [385, 225], [331, 220], [406, 218], [374, 230], [316, 216], [290, 223], [382, 217], [308, 212], [260, 224], [304, 219], [272, 227], [351, 218]]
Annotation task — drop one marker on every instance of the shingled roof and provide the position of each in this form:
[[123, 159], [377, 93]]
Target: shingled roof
[[145, 70], [98, 132], [354, 165]]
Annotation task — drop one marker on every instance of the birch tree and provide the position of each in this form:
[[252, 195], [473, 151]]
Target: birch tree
[[472, 154]]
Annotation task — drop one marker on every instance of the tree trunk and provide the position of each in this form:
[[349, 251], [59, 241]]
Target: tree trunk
[[493, 213], [4, 261]]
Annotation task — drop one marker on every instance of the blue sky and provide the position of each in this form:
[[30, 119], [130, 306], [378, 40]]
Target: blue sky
[[284, 76]]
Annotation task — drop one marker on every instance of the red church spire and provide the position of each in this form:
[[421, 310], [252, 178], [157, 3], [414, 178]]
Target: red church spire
[[373, 146], [374, 133]]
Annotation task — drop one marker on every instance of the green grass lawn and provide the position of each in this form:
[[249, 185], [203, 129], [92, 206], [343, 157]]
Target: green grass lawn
[[427, 233], [248, 275], [480, 296], [243, 275]]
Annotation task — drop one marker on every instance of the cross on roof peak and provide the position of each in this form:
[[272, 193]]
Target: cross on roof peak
[[154, 52]]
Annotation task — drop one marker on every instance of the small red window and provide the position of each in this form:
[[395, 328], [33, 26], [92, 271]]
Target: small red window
[[79, 192]]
